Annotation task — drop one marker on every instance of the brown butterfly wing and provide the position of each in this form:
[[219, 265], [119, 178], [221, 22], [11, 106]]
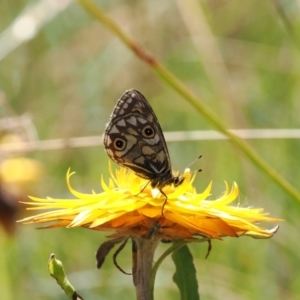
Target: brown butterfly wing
[[134, 139]]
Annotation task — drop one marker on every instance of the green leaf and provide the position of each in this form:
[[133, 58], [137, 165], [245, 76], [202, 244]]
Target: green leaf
[[185, 275]]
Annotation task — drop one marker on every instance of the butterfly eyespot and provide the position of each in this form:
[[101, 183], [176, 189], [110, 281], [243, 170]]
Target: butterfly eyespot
[[119, 144], [148, 132]]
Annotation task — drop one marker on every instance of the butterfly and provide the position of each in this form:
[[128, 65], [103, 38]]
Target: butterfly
[[134, 139]]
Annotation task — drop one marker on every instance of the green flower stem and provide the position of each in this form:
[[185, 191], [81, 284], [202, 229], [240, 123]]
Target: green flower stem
[[176, 245], [143, 253], [173, 81]]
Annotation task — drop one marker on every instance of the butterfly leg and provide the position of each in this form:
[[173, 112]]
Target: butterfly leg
[[165, 202], [143, 188]]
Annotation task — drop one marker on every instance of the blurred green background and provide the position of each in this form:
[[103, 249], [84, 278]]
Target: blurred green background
[[62, 72]]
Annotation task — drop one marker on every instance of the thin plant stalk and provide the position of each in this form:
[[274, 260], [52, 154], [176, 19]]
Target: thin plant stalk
[[143, 254], [177, 85]]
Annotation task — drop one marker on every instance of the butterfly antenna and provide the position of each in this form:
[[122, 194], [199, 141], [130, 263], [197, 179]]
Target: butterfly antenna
[[194, 161]]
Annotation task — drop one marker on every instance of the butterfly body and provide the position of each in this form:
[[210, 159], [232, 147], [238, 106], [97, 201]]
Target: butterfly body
[[133, 139]]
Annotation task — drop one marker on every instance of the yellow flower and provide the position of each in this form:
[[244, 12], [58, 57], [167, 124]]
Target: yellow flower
[[128, 206]]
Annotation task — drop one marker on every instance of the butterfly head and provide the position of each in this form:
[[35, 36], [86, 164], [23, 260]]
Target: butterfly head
[[178, 180], [160, 182]]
